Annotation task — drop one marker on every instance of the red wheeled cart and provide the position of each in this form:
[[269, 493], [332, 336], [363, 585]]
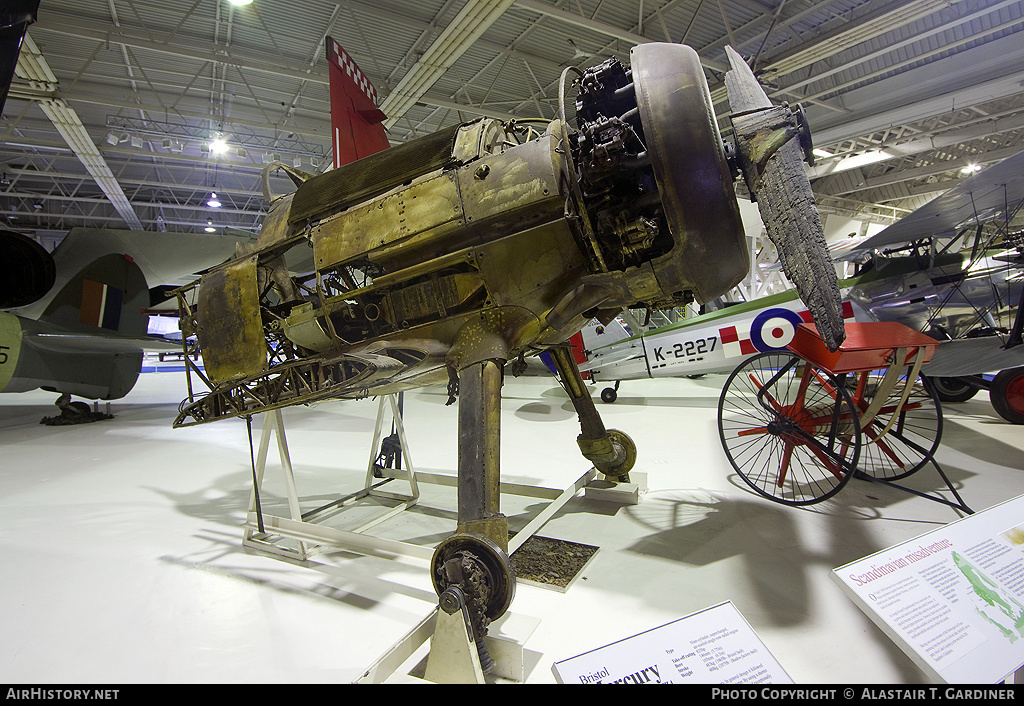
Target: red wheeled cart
[[797, 424]]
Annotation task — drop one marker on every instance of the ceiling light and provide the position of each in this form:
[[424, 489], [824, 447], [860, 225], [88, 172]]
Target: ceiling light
[[971, 169], [213, 202], [209, 227], [111, 138], [862, 160], [239, 3], [136, 141], [218, 146]]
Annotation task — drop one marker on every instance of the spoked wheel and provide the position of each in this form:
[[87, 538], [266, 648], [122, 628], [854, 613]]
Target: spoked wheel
[[911, 438], [789, 429]]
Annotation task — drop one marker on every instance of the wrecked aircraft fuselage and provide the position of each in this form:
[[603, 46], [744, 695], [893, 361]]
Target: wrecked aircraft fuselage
[[440, 260]]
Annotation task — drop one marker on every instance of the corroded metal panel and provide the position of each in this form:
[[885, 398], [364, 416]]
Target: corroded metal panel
[[230, 331], [10, 346], [533, 269], [419, 207], [513, 182], [353, 183], [434, 298]]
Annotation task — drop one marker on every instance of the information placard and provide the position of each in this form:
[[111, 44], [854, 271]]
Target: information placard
[[713, 646], [952, 599]]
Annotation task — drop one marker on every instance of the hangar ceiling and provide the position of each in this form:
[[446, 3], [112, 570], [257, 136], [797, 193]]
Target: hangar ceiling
[[110, 118]]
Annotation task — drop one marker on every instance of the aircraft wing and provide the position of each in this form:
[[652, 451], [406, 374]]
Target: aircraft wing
[[68, 342], [972, 356], [603, 358], [992, 193], [840, 250], [15, 17], [164, 258]]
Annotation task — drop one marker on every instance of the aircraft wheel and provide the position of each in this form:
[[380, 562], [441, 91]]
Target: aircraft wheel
[[625, 445], [480, 568], [609, 395], [1007, 394], [953, 389]]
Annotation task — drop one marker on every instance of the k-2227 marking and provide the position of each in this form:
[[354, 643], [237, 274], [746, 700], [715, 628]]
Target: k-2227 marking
[[686, 349]]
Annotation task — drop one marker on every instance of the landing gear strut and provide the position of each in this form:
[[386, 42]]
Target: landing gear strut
[[73, 413], [471, 568], [611, 451]]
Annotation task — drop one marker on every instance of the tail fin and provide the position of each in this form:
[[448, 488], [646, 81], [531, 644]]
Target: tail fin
[[109, 295], [356, 121]]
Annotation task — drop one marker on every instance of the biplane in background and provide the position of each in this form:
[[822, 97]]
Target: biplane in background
[[951, 269]]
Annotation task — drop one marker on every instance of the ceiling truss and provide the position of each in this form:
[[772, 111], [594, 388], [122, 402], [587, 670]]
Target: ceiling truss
[[110, 118]]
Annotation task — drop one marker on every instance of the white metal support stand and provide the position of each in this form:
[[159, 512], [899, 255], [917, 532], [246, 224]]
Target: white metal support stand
[[508, 635], [453, 658], [300, 535], [304, 528]]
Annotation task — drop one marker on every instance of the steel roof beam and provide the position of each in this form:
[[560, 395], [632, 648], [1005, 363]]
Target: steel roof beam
[[33, 68]]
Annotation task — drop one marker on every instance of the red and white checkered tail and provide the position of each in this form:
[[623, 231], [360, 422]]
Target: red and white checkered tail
[[357, 124]]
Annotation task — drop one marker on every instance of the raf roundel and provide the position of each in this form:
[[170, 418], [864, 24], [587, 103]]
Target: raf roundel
[[773, 329]]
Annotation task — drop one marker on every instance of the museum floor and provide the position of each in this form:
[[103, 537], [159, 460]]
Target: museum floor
[[122, 561]]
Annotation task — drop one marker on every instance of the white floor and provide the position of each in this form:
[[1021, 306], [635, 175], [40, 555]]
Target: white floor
[[122, 559]]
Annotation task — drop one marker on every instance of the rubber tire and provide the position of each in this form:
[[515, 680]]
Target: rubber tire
[[1007, 394], [952, 389], [609, 395]]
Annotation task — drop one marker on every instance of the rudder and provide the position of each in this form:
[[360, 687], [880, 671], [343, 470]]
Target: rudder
[[357, 124]]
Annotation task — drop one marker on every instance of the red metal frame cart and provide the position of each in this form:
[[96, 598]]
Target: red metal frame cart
[[798, 424]]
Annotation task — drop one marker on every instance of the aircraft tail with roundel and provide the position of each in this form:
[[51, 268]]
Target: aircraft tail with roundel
[[77, 321], [357, 124], [89, 340]]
